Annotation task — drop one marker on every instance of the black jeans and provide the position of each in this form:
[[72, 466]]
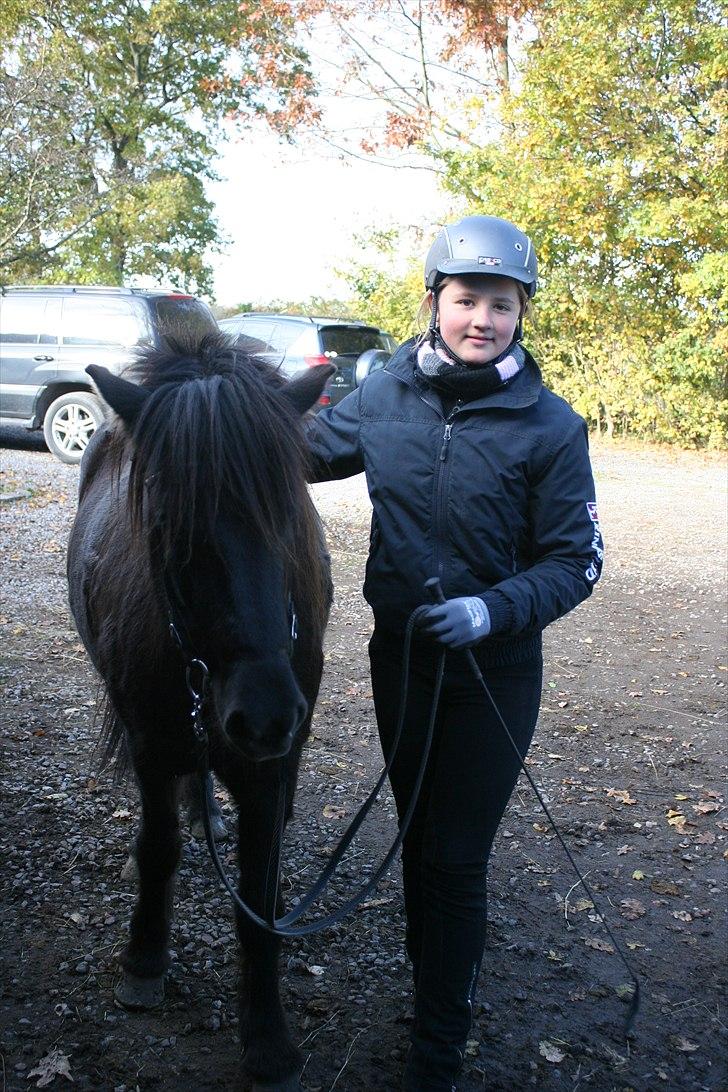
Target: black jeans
[[470, 776]]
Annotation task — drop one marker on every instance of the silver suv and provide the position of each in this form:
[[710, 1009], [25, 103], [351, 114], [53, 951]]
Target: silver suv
[[296, 342], [48, 336]]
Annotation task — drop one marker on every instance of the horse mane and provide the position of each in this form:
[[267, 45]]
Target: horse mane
[[216, 433]]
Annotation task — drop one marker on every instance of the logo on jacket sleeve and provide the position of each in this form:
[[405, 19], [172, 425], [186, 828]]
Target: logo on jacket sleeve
[[593, 572]]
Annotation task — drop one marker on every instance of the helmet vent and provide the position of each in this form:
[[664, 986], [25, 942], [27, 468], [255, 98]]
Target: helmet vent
[[518, 246]]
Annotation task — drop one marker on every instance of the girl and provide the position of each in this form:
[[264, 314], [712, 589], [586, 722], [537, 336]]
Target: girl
[[478, 475]]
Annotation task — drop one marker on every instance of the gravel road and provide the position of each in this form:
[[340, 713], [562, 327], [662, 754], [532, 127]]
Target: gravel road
[[630, 753]]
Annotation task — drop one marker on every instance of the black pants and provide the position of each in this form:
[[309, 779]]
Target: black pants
[[469, 779]]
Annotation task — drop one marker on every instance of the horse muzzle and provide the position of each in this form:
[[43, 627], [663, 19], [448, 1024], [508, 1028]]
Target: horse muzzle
[[260, 708]]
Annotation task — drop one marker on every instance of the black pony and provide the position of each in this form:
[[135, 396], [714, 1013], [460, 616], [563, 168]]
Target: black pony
[[193, 507]]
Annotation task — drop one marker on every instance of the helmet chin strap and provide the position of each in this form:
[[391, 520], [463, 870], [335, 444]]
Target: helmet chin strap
[[435, 337]]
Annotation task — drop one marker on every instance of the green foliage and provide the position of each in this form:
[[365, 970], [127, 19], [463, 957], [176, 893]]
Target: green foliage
[[612, 156], [107, 116], [383, 294]]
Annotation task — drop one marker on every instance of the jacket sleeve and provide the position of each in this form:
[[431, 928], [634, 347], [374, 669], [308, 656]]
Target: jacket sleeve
[[333, 441], [567, 545]]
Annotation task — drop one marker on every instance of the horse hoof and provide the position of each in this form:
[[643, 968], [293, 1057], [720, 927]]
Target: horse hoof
[[219, 830], [130, 871], [139, 993]]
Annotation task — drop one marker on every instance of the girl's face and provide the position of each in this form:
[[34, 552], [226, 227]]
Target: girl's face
[[478, 316]]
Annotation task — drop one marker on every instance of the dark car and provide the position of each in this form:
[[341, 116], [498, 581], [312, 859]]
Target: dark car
[[296, 342], [48, 336]]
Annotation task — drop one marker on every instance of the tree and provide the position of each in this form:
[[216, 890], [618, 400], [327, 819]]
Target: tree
[[612, 156], [410, 70], [106, 157]]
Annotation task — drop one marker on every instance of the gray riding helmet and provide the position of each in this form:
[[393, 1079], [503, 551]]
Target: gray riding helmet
[[482, 244]]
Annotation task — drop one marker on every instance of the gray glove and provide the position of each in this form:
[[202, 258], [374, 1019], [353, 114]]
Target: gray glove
[[458, 623]]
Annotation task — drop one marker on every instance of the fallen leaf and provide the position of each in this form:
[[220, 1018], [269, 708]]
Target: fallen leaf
[[472, 1048], [632, 909], [624, 849], [706, 838], [333, 811], [682, 915], [681, 1043], [315, 970], [53, 1065], [550, 1051], [622, 795], [638, 875], [600, 945], [625, 990], [706, 807], [664, 887]]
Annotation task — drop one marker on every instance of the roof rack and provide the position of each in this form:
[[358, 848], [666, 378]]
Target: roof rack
[[83, 289]]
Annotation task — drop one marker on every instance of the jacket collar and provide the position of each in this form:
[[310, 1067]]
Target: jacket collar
[[521, 391]]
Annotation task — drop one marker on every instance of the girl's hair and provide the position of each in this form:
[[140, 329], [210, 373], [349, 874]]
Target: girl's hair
[[424, 311]]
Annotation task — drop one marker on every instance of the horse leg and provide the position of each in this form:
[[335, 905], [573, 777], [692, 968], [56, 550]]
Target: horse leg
[[192, 801], [271, 1061], [145, 959]]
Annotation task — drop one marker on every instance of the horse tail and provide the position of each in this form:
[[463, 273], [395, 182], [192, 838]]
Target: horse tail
[[112, 743]]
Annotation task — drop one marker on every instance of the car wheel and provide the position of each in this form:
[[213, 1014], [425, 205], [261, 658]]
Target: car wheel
[[69, 424]]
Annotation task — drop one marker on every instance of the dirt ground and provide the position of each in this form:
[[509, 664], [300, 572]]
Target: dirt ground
[[630, 753]]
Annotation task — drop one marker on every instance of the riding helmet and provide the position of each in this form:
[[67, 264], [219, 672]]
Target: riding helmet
[[482, 244]]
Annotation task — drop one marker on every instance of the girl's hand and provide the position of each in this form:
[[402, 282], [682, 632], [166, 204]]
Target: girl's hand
[[458, 623]]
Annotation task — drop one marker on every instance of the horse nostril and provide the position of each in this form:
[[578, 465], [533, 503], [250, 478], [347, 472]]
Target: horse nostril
[[259, 739]]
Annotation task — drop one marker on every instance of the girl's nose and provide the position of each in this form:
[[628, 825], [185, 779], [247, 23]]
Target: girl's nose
[[482, 317]]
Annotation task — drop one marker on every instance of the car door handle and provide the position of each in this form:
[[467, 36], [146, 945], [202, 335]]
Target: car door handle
[[41, 357]]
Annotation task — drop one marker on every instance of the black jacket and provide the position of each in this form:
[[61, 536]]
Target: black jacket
[[496, 499]]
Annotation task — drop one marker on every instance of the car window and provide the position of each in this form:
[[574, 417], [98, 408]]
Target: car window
[[176, 313], [100, 321], [352, 340], [256, 332], [21, 319]]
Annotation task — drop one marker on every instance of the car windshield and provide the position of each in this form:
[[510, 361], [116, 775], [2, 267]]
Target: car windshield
[[175, 313], [352, 340]]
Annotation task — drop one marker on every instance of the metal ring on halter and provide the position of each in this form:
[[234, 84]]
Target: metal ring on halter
[[197, 692]]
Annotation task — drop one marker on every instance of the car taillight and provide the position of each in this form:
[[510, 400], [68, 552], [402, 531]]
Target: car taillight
[[324, 400], [316, 361]]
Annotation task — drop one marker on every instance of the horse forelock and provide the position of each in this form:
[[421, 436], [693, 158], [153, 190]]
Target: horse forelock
[[216, 435]]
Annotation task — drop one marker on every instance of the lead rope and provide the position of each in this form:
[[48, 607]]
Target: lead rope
[[286, 926], [435, 589]]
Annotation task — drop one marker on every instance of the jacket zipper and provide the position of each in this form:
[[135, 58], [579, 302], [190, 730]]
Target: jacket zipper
[[442, 474]]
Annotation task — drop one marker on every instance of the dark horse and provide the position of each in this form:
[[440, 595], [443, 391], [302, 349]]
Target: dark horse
[[193, 505]]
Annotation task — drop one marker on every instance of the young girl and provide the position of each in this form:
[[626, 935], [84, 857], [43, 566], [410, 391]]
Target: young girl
[[480, 476]]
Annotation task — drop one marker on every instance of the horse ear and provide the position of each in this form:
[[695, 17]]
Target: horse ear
[[305, 390], [124, 397]]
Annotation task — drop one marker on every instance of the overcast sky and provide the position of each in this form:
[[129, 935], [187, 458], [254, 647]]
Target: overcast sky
[[291, 216]]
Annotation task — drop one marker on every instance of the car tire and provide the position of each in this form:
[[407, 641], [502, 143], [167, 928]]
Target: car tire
[[69, 424]]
